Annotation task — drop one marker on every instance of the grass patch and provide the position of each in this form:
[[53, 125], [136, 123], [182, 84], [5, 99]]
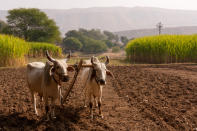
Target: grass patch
[[37, 49], [12, 51], [163, 49]]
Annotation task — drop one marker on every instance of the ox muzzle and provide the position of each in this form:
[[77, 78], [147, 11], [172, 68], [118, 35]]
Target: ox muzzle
[[102, 82], [64, 78]]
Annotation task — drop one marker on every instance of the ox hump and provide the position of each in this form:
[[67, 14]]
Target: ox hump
[[35, 65]]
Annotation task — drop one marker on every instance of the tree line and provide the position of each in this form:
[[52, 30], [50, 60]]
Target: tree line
[[89, 41], [34, 25]]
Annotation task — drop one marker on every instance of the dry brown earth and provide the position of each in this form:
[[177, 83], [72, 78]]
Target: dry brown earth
[[149, 97]]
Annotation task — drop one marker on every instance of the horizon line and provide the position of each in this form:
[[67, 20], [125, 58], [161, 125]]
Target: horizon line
[[105, 7]]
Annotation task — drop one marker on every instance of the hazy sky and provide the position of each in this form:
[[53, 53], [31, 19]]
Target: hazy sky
[[67, 4]]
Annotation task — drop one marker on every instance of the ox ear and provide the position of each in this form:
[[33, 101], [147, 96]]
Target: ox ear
[[92, 60], [109, 73], [65, 60], [107, 60], [51, 70], [70, 68]]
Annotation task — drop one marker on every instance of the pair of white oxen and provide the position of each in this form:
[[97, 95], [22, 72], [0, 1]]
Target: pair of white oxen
[[45, 80]]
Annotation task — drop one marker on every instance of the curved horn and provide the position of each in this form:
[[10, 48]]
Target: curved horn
[[92, 60], [107, 60], [69, 55], [49, 57]]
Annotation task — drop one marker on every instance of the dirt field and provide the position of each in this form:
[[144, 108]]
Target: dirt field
[[145, 97]]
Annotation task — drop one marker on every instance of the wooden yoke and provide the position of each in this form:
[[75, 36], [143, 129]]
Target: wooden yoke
[[77, 69]]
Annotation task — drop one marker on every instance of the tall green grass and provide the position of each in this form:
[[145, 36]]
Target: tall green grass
[[12, 50], [163, 49], [38, 49]]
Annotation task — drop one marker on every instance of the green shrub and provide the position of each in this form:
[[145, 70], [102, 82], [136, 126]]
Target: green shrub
[[115, 49]]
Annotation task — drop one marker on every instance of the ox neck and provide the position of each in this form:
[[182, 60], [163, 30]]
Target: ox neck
[[56, 81], [93, 76]]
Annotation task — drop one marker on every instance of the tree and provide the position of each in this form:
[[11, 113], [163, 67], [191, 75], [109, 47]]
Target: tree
[[109, 43], [74, 33], [3, 26], [93, 46], [93, 33], [124, 40], [32, 25], [111, 36], [115, 49], [93, 41], [72, 43]]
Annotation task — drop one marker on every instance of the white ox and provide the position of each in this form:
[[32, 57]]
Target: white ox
[[45, 79], [95, 79]]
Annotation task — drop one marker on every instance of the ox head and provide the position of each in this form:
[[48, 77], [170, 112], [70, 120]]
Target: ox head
[[60, 68], [100, 71]]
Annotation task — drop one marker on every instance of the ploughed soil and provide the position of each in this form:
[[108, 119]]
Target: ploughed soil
[[140, 97]]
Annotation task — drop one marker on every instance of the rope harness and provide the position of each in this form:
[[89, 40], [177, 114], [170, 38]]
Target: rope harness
[[96, 78], [57, 81]]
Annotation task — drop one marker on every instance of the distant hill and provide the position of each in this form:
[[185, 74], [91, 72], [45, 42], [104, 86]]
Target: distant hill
[[149, 32], [118, 18]]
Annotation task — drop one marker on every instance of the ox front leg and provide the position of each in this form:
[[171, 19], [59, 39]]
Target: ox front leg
[[85, 96], [46, 107], [91, 111], [34, 102], [53, 109], [60, 96], [95, 102], [41, 97], [99, 106], [90, 106]]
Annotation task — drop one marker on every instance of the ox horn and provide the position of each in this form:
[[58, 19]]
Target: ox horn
[[49, 57], [107, 60], [69, 55], [92, 60]]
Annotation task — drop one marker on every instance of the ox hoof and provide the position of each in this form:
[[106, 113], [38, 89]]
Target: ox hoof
[[53, 117], [61, 103], [36, 113], [101, 115], [91, 117], [47, 118]]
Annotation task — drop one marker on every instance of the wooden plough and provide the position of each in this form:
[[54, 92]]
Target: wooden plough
[[77, 69]]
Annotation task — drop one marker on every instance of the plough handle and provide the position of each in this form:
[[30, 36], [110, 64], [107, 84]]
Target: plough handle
[[77, 70]]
